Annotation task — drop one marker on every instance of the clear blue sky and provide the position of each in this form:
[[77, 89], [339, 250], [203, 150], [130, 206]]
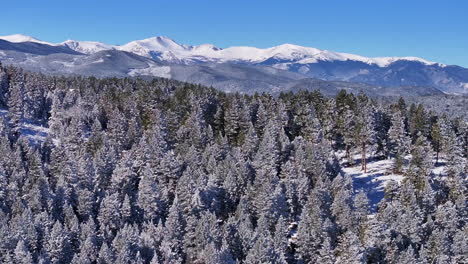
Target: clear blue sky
[[434, 30]]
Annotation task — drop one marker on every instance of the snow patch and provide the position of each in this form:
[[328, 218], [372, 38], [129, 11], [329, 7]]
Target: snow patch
[[86, 47], [363, 71], [97, 61], [157, 71], [385, 61], [35, 133], [65, 63], [379, 174]]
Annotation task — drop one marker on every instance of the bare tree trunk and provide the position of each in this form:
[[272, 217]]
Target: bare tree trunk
[[363, 162], [348, 155]]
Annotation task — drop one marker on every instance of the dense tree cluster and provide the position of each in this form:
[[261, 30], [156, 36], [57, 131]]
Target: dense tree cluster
[[161, 171]]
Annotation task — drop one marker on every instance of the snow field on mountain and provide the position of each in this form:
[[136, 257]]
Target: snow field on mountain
[[167, 49]]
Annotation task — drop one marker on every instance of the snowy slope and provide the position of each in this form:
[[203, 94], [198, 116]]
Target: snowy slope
[[161, 47], [19, 38], [166, 49], [86, 47]]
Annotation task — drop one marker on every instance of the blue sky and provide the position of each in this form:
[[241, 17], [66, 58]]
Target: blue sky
[[434, 30]]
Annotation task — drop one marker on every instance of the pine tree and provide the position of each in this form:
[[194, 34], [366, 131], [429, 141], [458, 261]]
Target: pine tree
[[172, 244], [263, 252], [109, 215], [364, 132], [22, 254], [4, 85], [149, 197], [349, 249], [421, 162], [399, 141], [57, 244], [16, 102], [408, 256], [106, 256]]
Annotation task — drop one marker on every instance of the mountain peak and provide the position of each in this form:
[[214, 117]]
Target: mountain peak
[[165, 48], [158, 40], [148, 47], [18, 38]]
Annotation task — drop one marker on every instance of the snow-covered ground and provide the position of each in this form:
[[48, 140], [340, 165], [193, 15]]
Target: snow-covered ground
[[379, 174], [35, 133], [152, 70]]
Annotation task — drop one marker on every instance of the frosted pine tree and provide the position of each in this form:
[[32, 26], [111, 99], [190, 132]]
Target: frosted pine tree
[[399, 141], [22, 254], [365, 134]]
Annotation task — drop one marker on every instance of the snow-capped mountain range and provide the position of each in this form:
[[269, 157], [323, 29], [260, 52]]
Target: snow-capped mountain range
[[273, 69], [166, 49]]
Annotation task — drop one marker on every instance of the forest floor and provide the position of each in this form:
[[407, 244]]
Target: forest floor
[[379, 174], [35, 133]]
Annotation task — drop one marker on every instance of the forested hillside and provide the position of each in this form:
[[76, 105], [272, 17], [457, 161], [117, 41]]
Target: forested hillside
[[135, 171]]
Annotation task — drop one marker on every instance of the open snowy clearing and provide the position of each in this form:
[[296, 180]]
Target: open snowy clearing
[[379, 174], [36, 134]]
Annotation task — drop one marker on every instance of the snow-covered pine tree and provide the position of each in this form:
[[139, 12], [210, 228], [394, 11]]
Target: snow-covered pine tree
[[399, 141]]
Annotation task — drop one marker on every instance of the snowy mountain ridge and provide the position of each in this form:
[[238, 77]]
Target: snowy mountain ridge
[[19, 38], [166, 49], [86, 47], [240, 68]]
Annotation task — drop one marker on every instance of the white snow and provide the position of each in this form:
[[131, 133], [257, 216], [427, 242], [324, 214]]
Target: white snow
[[67, 64], [86, 47], [101, 60], [152, 70], [155, 44], [18, 38], [167, 49], [385, 61], [35, 133], [379, 174]]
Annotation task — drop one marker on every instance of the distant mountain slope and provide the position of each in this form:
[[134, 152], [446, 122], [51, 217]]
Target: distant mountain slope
[[86, 47], [333, 87], [451, 79], [35, 48], [242, 69], [19, 38]]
